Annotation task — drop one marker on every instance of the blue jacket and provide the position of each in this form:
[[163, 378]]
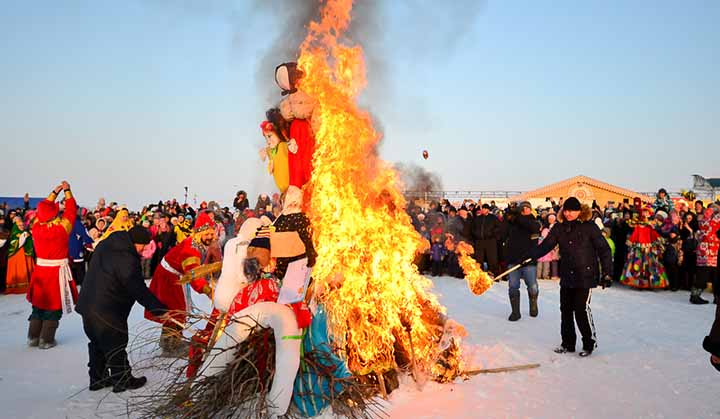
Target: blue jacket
[[437, 252], [78, 239]]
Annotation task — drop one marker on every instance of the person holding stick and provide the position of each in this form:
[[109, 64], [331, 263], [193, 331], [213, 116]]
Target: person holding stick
[[581, 245]]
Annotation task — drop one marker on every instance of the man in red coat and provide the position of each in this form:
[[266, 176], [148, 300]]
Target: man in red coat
[[52, 289], [189, 254]]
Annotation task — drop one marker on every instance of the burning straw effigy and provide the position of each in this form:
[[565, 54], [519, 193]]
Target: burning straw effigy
[[365, 315]]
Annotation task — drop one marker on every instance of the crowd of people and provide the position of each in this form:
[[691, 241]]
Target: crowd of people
[[689, 255], [686, 259], [663, 244], [169, 223]]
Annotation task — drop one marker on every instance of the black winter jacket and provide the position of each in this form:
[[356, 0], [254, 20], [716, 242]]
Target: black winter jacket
[[485, 227], [114, 281], [522, 235], [711, 343], [581, 245]]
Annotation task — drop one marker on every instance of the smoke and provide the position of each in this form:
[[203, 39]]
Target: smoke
[[292, 18], [424, 33], [418, 179]]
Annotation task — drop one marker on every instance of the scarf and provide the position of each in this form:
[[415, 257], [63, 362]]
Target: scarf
[[122, 222], [15, 242]]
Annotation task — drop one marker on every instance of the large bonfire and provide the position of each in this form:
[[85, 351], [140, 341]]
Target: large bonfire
[[380, 308], [381, 314]]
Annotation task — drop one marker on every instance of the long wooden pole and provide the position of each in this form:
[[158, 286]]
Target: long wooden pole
[[502, 369]]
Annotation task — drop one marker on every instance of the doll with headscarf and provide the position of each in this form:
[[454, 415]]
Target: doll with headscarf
[[644, 268], [291, 240], [276, 152], [297, 108], [231, 284]]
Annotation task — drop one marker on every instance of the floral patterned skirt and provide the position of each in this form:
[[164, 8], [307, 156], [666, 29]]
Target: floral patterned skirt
[[644, 268]]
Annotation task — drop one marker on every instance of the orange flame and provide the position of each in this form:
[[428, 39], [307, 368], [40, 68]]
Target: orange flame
[[478, 280], [380, 309]]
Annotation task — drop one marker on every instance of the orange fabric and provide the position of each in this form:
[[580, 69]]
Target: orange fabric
[[19, 272]]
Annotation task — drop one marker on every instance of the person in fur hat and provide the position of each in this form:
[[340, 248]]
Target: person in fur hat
[[581, 245], [188, 255], [52, 289]]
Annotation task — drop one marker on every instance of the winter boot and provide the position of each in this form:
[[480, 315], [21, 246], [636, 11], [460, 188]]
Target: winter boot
[[34, 332], [99, 384], [47, 334], [586, 353], [515, 305], [563, 350], [695, 296], [128, 382], [533, 297]]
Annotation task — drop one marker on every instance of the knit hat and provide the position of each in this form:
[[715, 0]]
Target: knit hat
[[572, 204], [140, 235], [525, 204]]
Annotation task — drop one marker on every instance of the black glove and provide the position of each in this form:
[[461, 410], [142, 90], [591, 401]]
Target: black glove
[[606, 281]]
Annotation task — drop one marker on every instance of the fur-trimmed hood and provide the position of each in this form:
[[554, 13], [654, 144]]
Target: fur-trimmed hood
[[585, 214]]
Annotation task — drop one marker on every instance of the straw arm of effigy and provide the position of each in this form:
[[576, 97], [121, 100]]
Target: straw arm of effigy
[[200, 272]]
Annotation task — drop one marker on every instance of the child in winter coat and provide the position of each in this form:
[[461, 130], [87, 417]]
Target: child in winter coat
[[437, 255], [547, 266]]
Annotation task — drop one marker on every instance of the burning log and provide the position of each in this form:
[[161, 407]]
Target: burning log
[[478, 280]]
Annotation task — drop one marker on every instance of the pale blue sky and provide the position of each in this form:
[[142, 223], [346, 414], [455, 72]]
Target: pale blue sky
[[133, 100]]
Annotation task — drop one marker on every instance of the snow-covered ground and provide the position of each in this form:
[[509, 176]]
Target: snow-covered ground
[[649, 362]]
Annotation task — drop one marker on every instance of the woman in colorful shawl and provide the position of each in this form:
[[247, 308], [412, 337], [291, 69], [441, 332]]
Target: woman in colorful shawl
[[644, 267], [21, 262]]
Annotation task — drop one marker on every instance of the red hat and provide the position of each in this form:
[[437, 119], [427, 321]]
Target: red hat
[[267, 126], [204, 222], [47, 210]]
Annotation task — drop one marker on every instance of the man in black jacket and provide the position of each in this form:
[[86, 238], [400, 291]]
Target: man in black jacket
[[113, 283], [581, 245], [485, 231], [522, 235]]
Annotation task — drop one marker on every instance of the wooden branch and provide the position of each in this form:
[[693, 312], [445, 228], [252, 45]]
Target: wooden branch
[[499, 370]]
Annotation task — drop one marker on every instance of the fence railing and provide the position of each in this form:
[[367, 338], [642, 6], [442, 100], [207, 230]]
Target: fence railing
[[454, 195]]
